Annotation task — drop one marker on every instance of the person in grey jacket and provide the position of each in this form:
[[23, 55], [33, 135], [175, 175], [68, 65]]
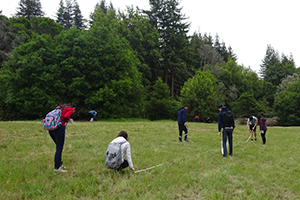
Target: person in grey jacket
[[122, 137]]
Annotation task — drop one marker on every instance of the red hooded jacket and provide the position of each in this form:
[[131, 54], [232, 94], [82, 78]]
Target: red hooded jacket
[[66, 114]]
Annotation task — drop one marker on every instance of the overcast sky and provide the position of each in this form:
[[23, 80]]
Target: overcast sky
[[247, 26]]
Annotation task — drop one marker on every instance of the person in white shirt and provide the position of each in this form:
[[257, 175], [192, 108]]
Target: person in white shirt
[[122, 137], [251, 124]]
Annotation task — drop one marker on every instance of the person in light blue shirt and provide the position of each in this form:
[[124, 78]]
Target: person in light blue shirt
[[92, 115]]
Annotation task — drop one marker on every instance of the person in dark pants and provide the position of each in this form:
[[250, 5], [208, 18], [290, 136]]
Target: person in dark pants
[[182, 126], [92, 115], [251, 124], [263, 128], [58, 135], [227, 131]]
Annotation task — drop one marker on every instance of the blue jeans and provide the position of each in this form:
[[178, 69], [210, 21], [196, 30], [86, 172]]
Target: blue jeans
[[58, 136], [227, 133]]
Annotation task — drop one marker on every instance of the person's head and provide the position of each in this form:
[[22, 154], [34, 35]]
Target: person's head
[[220, 107], [251, 117], [186, 107], [73, 105], [123, 134], [259, 116]]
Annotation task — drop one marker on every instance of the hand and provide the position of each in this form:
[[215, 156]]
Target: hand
[[71, 121], [185, 123], [219, 134], [132, 169]]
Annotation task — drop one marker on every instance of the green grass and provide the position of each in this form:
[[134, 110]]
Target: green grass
[[194, 170]]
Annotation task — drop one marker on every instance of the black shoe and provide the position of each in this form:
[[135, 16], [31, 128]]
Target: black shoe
[[255, 139], [251, 139], [180, 140], [186, 140]]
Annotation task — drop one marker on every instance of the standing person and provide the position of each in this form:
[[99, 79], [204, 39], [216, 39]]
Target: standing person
[[197, 118], [182, 123], [58, 135], [251, 124], [92, 115], [122, 137], [226, 121], [263, 128]]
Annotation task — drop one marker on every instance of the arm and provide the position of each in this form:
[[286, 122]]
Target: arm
[[67, 114], [184, 117], [220, 121], [248, 125], [128, 156], [255, 124]]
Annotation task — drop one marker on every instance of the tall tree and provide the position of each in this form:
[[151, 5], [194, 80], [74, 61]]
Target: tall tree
[[29, 9], [60, 14], [69, 15], [143, 38], [79, 21], [9, 39], [270, 59], [166, 16]]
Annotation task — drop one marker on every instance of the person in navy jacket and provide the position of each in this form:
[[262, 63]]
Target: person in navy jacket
[[182, 123]]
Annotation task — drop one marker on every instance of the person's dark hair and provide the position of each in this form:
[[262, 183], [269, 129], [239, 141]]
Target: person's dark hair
[[185, 105], [73, 105], [251, 117], [123, 134], [258, 118], [221, 106]]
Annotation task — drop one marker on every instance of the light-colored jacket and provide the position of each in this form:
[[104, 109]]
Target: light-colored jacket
[[125, 149]]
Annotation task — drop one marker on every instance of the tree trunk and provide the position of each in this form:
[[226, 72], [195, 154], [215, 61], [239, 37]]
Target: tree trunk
[[172, 83]]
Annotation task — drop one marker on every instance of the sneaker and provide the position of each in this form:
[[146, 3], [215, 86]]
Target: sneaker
[[60, 169], [186, 140], [255, 139], [62, 166], [180, 140], [251, 139]]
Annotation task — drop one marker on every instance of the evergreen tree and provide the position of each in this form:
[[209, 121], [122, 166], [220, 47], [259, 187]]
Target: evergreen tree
[[60, 14], [29, 9], [69, 15], [78, 17], [270, 59], [105, 9], [167, 18]]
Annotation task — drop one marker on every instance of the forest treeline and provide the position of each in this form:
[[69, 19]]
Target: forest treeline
[[133, 63]]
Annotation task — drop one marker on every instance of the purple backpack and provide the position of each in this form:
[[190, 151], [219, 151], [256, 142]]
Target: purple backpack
[[52, 120]]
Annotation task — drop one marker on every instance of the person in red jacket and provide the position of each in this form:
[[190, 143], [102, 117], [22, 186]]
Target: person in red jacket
[[58, 135]]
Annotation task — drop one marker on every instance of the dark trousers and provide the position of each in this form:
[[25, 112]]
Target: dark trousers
[[92, 116], [184, 128], [263, 136], [124, 165], [58, 137], [227, 133]]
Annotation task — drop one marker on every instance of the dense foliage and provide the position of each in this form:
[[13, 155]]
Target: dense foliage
[[133, 63]]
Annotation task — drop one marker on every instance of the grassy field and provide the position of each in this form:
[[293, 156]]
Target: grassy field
[[194, 170]]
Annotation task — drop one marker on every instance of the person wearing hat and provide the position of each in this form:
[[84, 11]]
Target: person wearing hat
[[181, 118], [92, 115], [226, 121]]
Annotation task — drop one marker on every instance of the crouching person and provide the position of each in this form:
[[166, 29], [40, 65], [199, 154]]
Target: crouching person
[[116, 152]]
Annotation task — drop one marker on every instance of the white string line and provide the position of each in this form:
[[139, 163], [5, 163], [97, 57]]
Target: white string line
[[142, 170]]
